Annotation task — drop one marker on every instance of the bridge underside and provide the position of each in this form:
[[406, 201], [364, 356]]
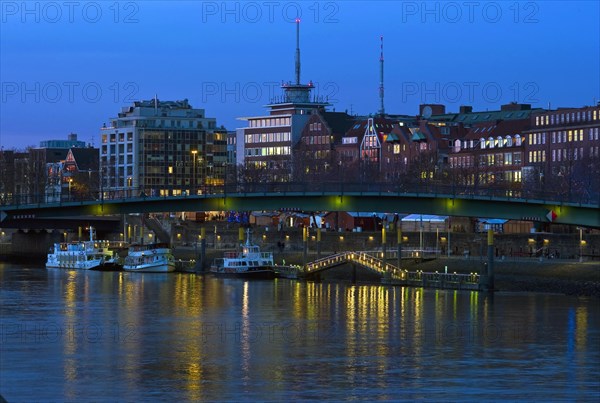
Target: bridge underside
[[507, 208], [102, 224]]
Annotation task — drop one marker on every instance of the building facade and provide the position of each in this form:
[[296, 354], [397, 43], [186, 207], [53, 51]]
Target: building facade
[[162, 148], [563, 152]]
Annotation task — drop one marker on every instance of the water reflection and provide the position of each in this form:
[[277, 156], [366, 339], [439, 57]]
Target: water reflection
[[180, 336]]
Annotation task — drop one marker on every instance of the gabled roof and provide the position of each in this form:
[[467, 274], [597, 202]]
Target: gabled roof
[[487, 116], [86, 158], [495, 129], [418, 136], [338, 122], [392, 137], [53, 154], [399, 133], [383, 126]]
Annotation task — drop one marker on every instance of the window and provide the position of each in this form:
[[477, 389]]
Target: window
[[517, 158]]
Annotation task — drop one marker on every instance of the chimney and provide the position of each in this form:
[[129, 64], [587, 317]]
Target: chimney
[[72, 137], [427, 110], [513, 106], [466, 109]]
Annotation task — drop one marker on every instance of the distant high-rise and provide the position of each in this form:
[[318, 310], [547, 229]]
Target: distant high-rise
[[69, 143], [162, 148]]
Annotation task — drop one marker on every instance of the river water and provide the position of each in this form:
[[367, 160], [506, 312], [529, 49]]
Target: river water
[[115, 336]]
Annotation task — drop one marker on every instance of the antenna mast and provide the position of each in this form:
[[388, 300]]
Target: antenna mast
[[381, 109], [297, 51]]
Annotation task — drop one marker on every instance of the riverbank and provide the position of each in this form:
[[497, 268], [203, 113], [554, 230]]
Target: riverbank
[[552, 276], [561, 276], [515, 275]]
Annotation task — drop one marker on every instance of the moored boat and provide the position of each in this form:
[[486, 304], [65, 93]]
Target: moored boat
[[85, 255], [151, 258], [249, 262]]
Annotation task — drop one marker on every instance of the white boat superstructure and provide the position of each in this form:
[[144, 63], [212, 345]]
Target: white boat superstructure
[[248, 262], [84, 255], [153, 258]]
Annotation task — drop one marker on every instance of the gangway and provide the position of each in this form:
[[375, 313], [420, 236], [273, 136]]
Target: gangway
[[394, 275], [362, 259]]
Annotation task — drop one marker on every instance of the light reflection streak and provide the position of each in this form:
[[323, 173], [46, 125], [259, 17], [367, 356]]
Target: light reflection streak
[[246, 335], [70, 338], [581, 328]]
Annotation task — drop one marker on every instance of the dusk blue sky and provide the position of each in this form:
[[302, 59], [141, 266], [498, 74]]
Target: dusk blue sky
[[230, 58]]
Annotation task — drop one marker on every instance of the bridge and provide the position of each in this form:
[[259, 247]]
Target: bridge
[[439, 200]]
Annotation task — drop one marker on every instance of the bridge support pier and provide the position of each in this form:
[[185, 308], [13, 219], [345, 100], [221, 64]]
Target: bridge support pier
[[318, 243], [202, 256], [490, 262], [383, 244], [399, 232], [304, 245]]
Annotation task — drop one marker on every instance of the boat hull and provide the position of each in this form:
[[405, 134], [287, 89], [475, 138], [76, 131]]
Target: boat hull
[[150, 268], [263, 274], [73, 263]]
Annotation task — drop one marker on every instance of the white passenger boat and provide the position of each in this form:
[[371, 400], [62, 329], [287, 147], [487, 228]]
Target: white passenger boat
[[85, 255], [152, 258], [249, 262]]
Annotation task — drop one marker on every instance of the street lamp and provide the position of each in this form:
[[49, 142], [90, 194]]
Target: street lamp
[[70, 184], [194, 152]]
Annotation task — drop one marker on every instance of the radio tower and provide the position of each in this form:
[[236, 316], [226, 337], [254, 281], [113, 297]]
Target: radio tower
[[297, 51], [381, 109]]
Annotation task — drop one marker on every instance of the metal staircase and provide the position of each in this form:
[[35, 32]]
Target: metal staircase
[[154, 224]]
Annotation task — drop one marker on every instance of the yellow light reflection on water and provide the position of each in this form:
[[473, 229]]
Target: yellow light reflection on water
[[245, 336], [581, 328]]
